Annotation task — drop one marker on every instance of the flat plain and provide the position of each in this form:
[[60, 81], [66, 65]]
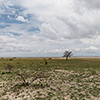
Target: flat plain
[[50, 79]]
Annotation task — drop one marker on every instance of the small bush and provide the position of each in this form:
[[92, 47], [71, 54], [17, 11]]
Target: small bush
[[25, 76], [11, 59], [50, 58], [46, 62], [3, 73]]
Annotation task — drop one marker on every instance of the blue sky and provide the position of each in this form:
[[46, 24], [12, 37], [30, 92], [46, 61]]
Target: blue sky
[[35, 28]]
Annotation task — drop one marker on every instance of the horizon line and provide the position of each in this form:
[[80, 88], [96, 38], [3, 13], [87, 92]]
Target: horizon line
[[52, 57]]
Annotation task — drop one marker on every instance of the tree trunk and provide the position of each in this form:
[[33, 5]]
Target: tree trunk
[[66, 58]]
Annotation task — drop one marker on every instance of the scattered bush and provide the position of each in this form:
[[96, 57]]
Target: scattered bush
[[11, 59], [50, 58], [23, 76], [46, 62]]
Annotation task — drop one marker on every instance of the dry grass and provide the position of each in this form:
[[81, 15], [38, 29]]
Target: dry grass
[[76, 79]]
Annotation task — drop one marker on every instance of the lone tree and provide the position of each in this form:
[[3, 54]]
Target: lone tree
[[67, 54]]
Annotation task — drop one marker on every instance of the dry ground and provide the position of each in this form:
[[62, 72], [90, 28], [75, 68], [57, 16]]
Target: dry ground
[[60, 84]]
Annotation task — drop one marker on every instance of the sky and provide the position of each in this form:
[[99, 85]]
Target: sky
[[46, 28]]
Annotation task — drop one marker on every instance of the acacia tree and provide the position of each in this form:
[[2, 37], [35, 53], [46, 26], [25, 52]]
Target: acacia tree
[[67, 54]]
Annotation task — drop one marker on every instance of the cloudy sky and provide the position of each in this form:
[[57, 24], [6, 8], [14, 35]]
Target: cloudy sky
[[33, 28]]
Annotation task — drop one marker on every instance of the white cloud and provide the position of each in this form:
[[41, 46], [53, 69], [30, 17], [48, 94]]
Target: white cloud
[[6, 7], [91, 48], [92, 4], [52, 26], [91, 41], [21, 18], [47, 31], [63, 18]]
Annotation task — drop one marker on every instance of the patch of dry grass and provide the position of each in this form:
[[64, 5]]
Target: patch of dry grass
[[76, 79]]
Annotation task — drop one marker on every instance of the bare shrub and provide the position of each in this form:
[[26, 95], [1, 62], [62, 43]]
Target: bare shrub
[[23, 76]]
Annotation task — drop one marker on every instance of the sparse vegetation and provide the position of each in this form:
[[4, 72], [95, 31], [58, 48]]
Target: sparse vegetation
[[33, 79], [24, 76]]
